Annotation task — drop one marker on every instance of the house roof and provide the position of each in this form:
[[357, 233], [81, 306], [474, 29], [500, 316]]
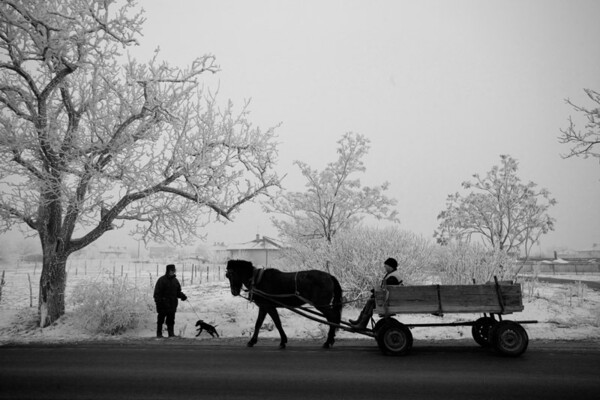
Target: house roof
[[114, 250], [556, 261], [264, 243]]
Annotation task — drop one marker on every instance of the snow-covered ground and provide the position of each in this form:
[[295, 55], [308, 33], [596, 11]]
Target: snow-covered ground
[[564, 311]]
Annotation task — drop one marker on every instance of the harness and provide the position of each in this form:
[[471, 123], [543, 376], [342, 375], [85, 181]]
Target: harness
[[257, 275], [314, 315], [256, 278]]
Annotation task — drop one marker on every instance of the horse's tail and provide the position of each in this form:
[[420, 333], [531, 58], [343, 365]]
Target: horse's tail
[[337, 304]]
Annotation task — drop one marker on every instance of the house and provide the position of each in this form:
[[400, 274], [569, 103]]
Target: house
[[114, 252], [591, 253], [162, 252], [261, 251], [569, 262]]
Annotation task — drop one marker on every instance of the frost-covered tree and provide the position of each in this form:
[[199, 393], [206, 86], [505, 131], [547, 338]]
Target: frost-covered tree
[[584, 142], [90, 139], [507, 214], [334, 199]]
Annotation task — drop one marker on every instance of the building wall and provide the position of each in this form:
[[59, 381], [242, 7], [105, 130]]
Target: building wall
[[571, 268], [258, 257]]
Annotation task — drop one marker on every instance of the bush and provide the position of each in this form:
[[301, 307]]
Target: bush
[[112, 306], [356, 257], [463, 263]]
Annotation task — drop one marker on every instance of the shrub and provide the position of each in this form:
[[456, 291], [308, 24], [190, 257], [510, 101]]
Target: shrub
[[112, 306], [356, 257], [463, 263]]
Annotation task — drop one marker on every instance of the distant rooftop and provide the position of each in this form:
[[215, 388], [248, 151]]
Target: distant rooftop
[[259, 243]]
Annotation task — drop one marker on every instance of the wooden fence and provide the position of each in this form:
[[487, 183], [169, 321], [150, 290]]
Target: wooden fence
[[21, 279]]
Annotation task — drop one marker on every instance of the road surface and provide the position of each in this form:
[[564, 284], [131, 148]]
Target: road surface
[[226, 369]]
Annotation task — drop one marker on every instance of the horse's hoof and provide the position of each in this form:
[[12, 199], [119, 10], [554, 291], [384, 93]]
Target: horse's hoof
[[326, 346], [250, 344], [282, 346]]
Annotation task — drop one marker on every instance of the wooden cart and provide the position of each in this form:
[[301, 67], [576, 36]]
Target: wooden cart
[[395, 338], [493, 300]]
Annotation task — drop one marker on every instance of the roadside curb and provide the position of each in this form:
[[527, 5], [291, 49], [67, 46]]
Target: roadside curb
[[588, 345]]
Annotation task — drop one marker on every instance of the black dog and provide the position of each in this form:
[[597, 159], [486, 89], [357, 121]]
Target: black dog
[[208, 327]]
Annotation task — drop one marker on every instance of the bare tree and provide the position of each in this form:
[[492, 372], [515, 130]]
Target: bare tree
[[504, 212], [333, 200], [87, 143], [584, 143]]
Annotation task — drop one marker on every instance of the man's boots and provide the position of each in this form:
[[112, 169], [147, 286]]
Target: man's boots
[[357, 320], [362, 322], [159, 330], [171, 331], [365, 316]]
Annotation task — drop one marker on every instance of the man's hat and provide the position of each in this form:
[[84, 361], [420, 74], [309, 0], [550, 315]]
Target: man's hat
[[391, 262]]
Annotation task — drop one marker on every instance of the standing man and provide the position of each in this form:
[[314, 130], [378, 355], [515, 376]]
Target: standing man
[[166, 293]]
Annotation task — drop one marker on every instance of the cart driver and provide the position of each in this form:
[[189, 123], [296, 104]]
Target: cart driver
[[392, 277]]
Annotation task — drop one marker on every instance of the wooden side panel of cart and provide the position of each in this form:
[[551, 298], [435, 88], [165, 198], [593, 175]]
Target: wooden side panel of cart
[[504, 298]]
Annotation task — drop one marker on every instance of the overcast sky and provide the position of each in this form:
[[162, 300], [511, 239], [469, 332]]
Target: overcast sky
[[441, 89]]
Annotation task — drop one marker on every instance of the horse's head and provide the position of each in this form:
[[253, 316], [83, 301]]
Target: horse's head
[[239, 272]]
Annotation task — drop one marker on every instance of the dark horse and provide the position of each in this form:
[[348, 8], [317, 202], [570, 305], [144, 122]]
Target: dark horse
[[271, 288]]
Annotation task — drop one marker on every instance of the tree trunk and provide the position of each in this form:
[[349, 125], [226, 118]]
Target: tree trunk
[[52, 289]]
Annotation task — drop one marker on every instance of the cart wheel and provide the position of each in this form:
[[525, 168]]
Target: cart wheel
[[481, 330], [509, 338], [394, 339], [380, 324]]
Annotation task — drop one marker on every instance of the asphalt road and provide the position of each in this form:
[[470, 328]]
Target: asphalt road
[[186, 369]]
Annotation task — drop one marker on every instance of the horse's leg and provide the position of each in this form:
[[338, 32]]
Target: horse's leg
[[259, 321], [334, 317], [277, 321]]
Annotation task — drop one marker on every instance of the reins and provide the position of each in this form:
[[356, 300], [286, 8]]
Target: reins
[[304, 311], [314, 315], [257, 277]]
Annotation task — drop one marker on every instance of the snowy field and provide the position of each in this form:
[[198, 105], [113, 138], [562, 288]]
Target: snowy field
[[564, 311]]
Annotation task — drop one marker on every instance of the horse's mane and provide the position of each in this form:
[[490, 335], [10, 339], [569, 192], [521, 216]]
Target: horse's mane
[[239, 264]]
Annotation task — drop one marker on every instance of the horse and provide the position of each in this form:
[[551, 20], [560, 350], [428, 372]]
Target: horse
[[271, 288]]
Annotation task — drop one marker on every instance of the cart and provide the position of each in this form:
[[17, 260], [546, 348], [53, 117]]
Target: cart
[[493, 300]]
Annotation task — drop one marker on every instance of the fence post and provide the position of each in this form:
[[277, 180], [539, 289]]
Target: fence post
[[30, 291], [2, 282]]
